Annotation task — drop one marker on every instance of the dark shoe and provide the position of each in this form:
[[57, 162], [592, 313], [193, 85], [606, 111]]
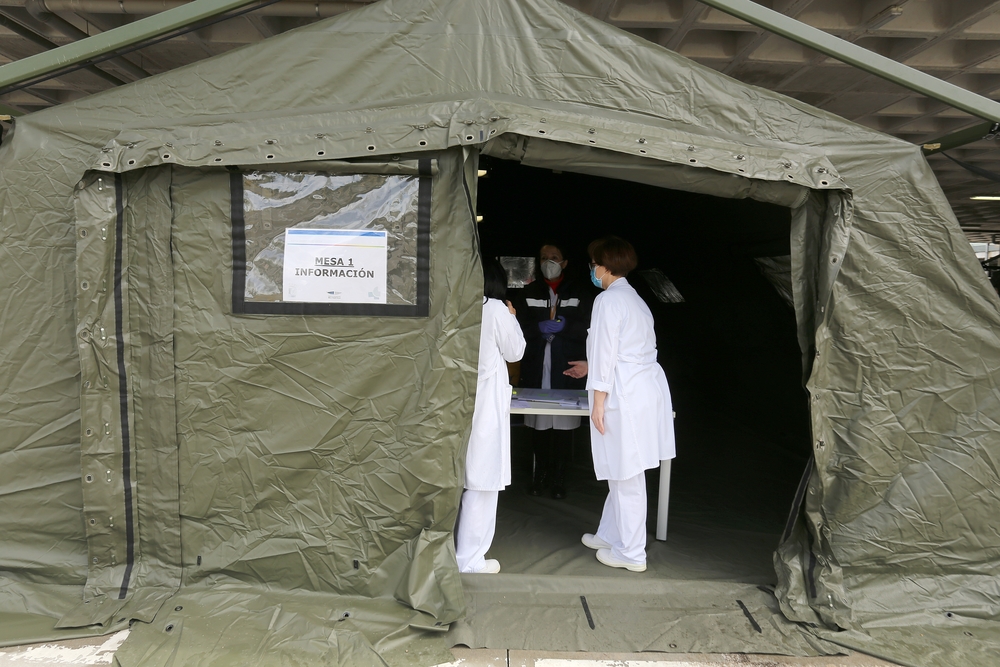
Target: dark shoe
[[559, 480], [538, 484]]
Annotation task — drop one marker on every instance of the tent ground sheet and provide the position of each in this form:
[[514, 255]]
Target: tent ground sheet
[[705, 589]]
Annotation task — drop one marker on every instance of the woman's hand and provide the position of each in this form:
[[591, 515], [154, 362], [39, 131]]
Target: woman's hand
[[510, 307], [597, 410], [577, 369]]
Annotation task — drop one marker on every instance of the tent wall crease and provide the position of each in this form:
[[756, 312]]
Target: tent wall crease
[[897, 321]]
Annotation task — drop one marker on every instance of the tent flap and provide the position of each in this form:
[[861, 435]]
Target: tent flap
[[154, 443]]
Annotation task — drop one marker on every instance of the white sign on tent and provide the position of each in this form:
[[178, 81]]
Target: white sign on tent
[[334, 265]]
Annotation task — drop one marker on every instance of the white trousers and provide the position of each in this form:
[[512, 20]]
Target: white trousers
[[477, 523], [623, 522]]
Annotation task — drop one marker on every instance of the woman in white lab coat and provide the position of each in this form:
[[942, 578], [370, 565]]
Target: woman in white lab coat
[[487, 459], [631, 415]]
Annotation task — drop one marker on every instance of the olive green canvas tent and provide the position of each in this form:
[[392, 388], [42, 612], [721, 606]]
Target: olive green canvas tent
[[195, 437]]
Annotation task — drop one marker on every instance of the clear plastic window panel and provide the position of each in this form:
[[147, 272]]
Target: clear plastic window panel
[[354, 238], [520, 271]]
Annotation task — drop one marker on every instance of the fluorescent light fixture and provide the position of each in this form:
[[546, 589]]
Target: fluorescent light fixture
[[985, 198], [883, 17]]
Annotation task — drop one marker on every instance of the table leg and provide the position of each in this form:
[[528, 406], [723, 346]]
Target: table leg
[[663, 503]]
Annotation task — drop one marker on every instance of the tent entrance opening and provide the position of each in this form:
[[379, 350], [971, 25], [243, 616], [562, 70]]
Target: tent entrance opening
[[729, 351]]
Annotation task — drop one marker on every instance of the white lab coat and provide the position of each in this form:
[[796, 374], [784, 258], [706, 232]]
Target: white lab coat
[[487, 461], [621, 359]]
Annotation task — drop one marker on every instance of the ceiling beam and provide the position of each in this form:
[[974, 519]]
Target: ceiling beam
[[792, 9], [11, 23], [139, 31], [862, 58], [691, 16]]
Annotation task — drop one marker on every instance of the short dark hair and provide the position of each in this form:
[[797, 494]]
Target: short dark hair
[[557, 246], [613, 253], [494, 280]]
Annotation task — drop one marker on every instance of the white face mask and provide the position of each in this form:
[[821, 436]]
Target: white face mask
[[551, 269]]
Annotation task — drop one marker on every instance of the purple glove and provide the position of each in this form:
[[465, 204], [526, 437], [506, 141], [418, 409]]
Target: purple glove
[[552, 326]]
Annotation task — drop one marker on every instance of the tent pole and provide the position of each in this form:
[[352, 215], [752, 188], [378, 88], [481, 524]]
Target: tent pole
[[860, 57], [962, 137], [31, 67]]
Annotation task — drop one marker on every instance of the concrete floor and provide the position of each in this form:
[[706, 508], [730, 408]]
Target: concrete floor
[[101, 650]]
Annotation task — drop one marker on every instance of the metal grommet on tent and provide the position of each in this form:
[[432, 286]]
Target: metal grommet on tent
[[591, 141], [742, 170], [321, 153], [89, 478], [84, 284], [422, 142], [105, 164], [541, 132], [643, 151], [89, 431], [93, 522], [492, 132], [824, 182], [131, 162], [270, 142], [371, 147], [269, 156], [166, 156], [693, 160], [218, 142], [83, 233], [469, 137], [218, 159]]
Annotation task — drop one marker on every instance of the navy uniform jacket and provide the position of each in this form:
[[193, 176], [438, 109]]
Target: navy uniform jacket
[[575, 301]]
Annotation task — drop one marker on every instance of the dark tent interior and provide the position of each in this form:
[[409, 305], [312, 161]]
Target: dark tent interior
[[730, 354]]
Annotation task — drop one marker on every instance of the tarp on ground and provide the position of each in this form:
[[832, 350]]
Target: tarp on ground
[[175, 416]]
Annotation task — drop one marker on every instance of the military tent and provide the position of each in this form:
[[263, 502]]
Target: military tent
[[193, 439]]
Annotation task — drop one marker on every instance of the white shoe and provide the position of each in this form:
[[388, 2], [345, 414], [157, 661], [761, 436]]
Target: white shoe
[[490, 566], [604, 555], [594, 542]]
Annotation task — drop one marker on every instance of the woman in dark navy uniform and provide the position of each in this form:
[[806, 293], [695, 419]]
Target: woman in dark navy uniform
[[554, 315]]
